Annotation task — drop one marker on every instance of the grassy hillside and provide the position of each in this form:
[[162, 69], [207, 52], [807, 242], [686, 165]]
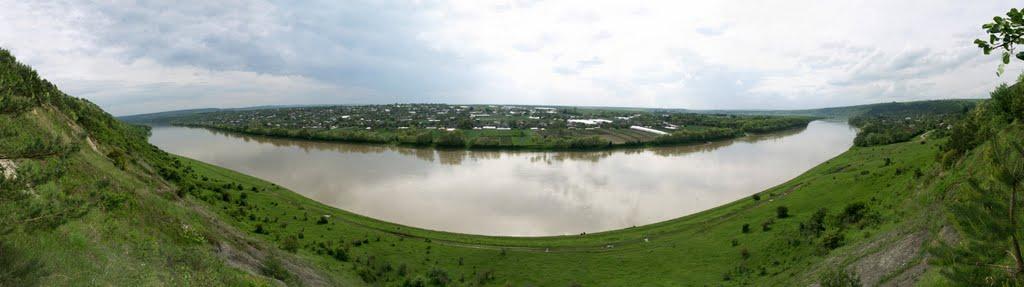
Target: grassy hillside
[[84, 200]]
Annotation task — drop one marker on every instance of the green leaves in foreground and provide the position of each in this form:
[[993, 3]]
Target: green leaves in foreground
[[1004, 34]]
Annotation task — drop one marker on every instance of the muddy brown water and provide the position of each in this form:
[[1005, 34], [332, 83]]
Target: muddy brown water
[[520, 193]]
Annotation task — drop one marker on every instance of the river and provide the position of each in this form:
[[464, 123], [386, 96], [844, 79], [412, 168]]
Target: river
[[518, 193]]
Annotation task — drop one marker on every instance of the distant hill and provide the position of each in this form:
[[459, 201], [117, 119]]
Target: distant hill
[[162, 117], [941, 106], [167, 116]]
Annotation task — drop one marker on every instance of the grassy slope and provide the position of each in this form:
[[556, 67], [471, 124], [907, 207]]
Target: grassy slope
[[692, 250], [112, 241], [127, 226], [86, 206]]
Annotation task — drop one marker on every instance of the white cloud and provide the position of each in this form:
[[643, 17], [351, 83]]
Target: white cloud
[[790, 54], [151, 56]]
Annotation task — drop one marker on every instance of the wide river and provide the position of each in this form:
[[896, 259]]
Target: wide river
[[517, 192]]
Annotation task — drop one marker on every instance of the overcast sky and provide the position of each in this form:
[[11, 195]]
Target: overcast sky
[[154, 56]]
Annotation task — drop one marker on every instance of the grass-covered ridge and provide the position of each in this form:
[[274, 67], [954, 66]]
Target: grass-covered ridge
[[85, 200]]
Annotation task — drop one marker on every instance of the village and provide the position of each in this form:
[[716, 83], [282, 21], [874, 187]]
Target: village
[[444, 117], [491, 126]]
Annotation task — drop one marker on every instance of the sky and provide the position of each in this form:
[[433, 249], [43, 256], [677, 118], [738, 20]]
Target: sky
[[134, 57]]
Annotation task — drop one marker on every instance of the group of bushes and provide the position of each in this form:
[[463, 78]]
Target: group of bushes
[[899, 122], [825, 231], [828, 231], [983, 123], [698, 135]]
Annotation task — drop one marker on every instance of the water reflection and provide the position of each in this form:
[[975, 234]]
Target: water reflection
[[455, 157], [518, 192]]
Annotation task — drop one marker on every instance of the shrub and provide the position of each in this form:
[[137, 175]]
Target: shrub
[[341, 254], [260, 230], [815, 225], [19, 269], [833, 240], [113, 200], [767, 225], [756, 196], [414, 282], [451, 139], [839, 278], [290, 244], [782, 212], [273, 268], [746, 228], [484, 277], [439, 277], [853, 213]]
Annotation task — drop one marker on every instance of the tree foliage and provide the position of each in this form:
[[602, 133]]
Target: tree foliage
[[1004, 34]]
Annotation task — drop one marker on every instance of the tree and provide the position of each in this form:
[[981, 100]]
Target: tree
[[1004, 34], [1007, 160]]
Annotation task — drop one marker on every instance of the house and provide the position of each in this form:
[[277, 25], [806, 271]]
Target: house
[[589, 121]]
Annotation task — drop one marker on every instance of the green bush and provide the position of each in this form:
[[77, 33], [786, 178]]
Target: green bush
[[273, 268], [782, 212], [839, 278], [18, 269], [290, 244], [833, 239]]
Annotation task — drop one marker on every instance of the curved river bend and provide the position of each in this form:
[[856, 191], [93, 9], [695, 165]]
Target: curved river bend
[[516, 192]]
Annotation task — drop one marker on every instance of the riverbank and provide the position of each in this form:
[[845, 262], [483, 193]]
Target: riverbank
[[515, 139]]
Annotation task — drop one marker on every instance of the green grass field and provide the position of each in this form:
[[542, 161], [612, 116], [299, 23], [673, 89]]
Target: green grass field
[[692, 250]]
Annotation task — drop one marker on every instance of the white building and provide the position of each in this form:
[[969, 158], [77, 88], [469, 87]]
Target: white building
[[589, 121], [654, 131]]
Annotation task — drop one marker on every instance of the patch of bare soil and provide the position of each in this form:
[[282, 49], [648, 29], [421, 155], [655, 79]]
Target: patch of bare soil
[[92, 144], [245, 253], [8, 169], [897, 258]]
